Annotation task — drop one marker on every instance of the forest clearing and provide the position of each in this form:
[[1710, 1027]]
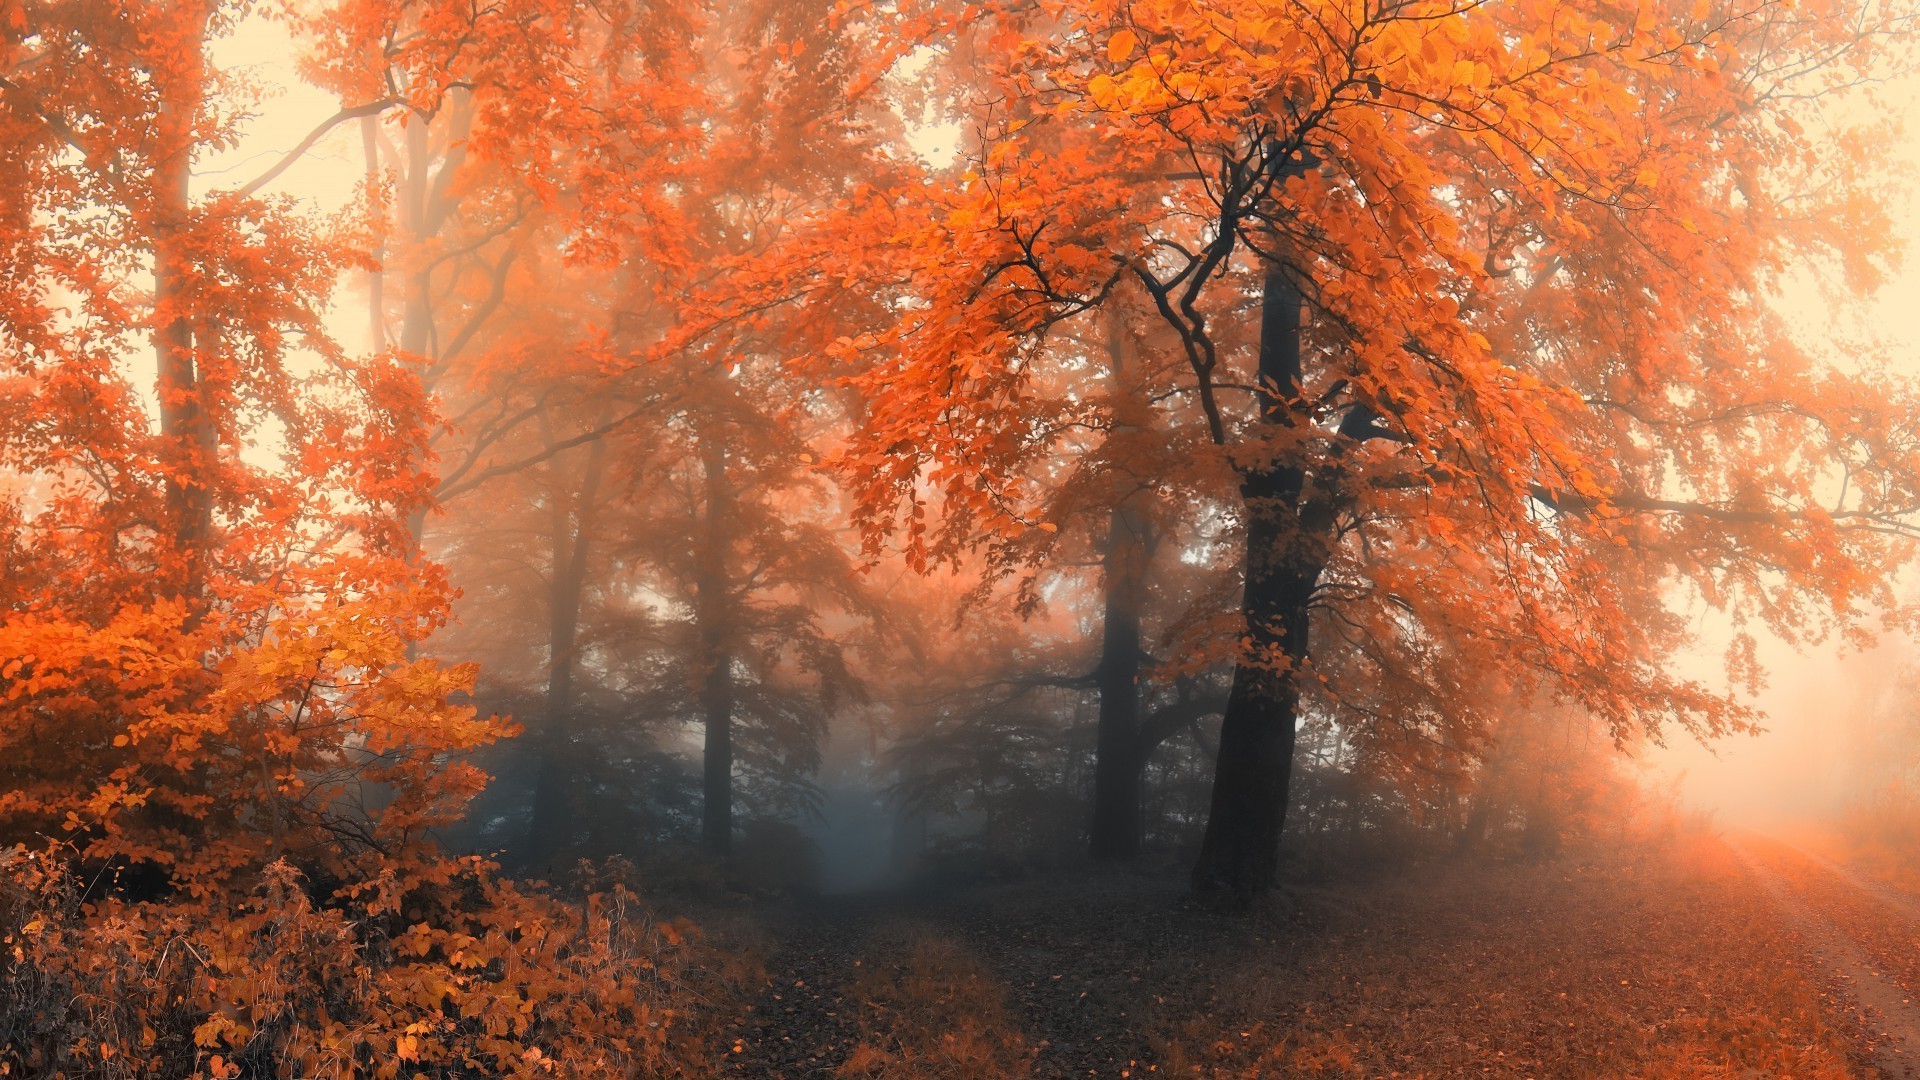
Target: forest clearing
[[959, 538], [1681, 961]]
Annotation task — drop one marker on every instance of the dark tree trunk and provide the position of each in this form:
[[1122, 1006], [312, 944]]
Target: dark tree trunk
[[1288, 536], [908, 844], [716, 790], [552, 823], [1120, 753], [716, 690], [1121, 748]]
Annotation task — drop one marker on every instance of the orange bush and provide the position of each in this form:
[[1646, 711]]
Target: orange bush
[[458, 973]]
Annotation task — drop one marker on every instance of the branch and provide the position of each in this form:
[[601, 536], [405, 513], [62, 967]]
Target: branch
[[54, 123], [448, 491], [496, 295], [371, 108], [1168, 720], [1064, 682], [1891, 523]]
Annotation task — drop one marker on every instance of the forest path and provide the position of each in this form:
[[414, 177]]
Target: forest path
[[805, 1022], [1041, 981], [1860, 931], [1697, 958]]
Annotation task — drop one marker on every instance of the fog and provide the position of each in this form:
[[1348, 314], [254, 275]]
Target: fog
[[1823, 745], [948, 539]]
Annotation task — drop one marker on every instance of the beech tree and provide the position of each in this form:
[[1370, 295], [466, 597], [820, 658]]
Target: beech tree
[[1469, 298]]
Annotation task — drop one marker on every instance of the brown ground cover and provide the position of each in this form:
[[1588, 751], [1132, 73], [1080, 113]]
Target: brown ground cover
[[1673, 963], [1859, 923]]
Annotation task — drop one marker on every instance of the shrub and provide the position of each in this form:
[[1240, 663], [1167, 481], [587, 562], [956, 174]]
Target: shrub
[[447, 971]]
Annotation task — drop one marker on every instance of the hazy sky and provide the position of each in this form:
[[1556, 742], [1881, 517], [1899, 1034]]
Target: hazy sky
[[1818, 700]]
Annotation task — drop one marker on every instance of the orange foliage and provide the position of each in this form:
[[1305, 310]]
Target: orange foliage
[[210, 646], [1541, 392], [209, 746], [463, 971]]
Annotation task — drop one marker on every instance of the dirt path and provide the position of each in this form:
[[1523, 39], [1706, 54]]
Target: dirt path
[[1852, 927], [1046, 984], [804, 1022], [807, 1019], [1901, 901]]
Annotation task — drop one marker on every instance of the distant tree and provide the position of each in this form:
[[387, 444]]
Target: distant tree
[[506, 197]]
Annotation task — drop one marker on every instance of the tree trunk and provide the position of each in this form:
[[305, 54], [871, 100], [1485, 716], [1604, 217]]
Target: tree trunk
[[427, 201], [716, 690], [189, 447], [1288, 537], [553, 823], [419, 219], [376, 277], [716, 788], [908, 842], [1121, 749], [1120, 756]]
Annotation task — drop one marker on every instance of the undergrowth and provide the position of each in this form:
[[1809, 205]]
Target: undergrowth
[[458, 973]]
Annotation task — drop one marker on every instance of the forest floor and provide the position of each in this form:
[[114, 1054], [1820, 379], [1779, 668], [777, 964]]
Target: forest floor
[[1738, 957]]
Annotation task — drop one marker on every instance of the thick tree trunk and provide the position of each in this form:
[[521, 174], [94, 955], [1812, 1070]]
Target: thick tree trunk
[[716, 690], [1254, 771], [1288, 533], [1120, 754], [553, 823], [1121, 749]]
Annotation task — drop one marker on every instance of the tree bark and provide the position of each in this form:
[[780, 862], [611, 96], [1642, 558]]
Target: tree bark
[[189, 444], [716, 690], [1120, 751], [1288, 538], [553, 817], [1120, 756]]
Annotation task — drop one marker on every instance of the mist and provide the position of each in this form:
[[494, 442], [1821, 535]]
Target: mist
[[1823, 748], [908, 540]]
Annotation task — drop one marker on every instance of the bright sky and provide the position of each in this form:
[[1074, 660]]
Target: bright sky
[[261, 49]]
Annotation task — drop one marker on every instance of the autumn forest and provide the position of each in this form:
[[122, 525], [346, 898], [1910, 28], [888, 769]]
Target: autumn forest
[[908, 538]]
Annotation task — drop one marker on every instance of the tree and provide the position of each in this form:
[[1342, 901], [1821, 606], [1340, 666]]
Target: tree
[[507, 186], [208, 645], [1449, 416]]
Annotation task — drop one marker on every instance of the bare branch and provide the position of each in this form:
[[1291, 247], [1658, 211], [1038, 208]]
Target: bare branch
[[371, 108]]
